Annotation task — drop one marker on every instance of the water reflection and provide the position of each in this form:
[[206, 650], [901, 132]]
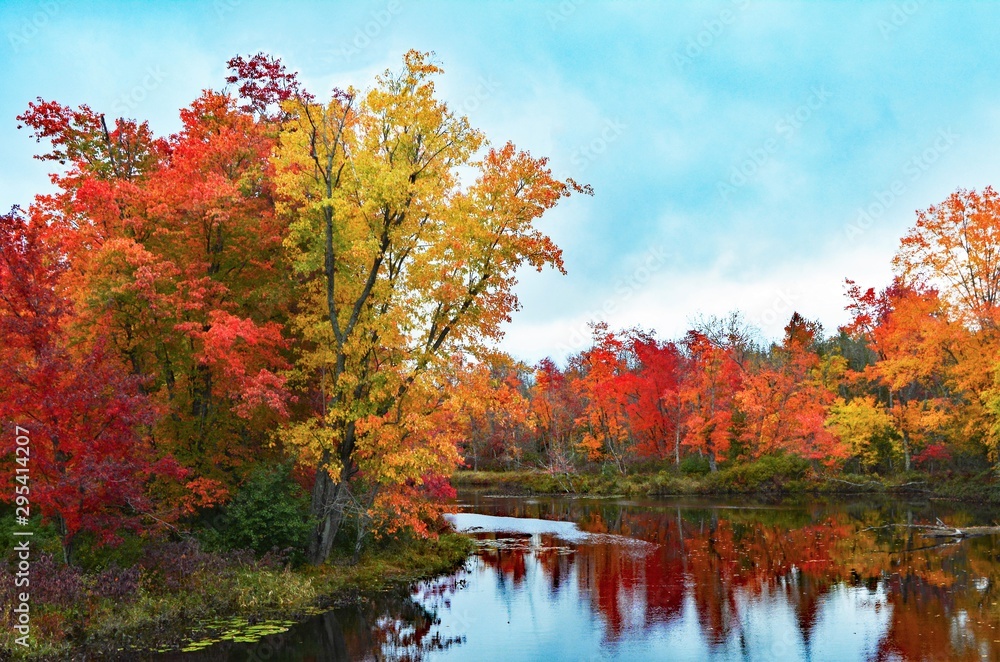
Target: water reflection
[[825, 581], [706, 582]]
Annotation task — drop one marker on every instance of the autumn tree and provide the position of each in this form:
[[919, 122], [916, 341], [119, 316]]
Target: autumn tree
[[86, 416], [492, 410], [784, 400], [403, 263], [714, 378], [866, 429], [655, 409], [914, 342], [176, 254], [604, 386], [954, 247], [555, 407]]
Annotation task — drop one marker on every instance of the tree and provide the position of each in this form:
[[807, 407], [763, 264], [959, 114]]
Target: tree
[[177, 264], [402, 265], [655, 408], [785, 400], [604, 386], [714, 379], [955, 247], [492, 412], [555, 407], [91, 460], [866, 428], [914, 342]]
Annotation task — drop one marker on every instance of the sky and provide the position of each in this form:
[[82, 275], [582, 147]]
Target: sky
[[744, 155]]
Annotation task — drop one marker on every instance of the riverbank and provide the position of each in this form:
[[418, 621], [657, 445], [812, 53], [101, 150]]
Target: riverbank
[[770, 476], [211, 599]]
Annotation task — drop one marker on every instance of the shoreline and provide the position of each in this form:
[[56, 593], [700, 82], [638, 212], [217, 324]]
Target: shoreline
[[743, 480], [163, 623]]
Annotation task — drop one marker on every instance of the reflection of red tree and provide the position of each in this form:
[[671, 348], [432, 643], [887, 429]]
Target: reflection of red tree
[[728, 559], [663, 573], [554, 561], [507, 556], [609, 574], [923, 625]]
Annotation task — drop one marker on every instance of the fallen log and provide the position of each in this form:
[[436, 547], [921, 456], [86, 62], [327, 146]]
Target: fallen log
[[967, 532], [942, 530]]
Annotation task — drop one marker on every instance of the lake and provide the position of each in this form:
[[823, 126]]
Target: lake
[[562, 578]]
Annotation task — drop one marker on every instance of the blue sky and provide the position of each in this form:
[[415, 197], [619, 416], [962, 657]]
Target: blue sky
[[745, 155]]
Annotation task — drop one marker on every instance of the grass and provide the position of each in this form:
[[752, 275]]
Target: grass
[[158, 618]]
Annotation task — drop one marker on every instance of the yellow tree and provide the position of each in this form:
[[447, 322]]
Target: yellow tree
[[406, 233], [866, 427]]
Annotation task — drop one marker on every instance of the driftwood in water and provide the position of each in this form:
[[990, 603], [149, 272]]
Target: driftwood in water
[[967, 532], [942, 530]]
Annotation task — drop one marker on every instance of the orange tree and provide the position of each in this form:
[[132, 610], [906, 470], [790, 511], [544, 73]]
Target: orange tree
[[405, 243]]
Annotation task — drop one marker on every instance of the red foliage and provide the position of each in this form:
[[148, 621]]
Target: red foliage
[[263, 83], [655, 408], [90, 463]]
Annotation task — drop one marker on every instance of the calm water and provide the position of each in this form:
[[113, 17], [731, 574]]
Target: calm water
[[586, 579]]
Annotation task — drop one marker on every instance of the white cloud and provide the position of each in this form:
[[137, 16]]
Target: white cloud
[[669, 299]]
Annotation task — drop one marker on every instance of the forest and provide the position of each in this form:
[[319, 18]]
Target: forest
[[274, 295], [286, 316]]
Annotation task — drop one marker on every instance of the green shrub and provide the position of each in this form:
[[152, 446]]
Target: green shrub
[[92, 556], [696, 465], [270, 511], [772, 472]]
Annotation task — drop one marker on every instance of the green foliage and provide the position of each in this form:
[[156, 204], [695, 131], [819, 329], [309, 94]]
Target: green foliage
[[270, 511], [769, 473], [695, 465], [44, 537], [91, 556]]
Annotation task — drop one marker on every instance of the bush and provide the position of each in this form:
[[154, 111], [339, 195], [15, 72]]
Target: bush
[[270, 511], [769, 473], [119, 584], [695, 465], [175, 566], [93, 556]]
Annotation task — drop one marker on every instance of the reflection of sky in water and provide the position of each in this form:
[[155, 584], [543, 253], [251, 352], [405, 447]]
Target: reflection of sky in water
[[526, 619], [572, 579]]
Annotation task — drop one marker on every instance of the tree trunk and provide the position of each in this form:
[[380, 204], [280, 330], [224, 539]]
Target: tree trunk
[[364, 521], [327, 511], [66, 541], [329, 497]]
